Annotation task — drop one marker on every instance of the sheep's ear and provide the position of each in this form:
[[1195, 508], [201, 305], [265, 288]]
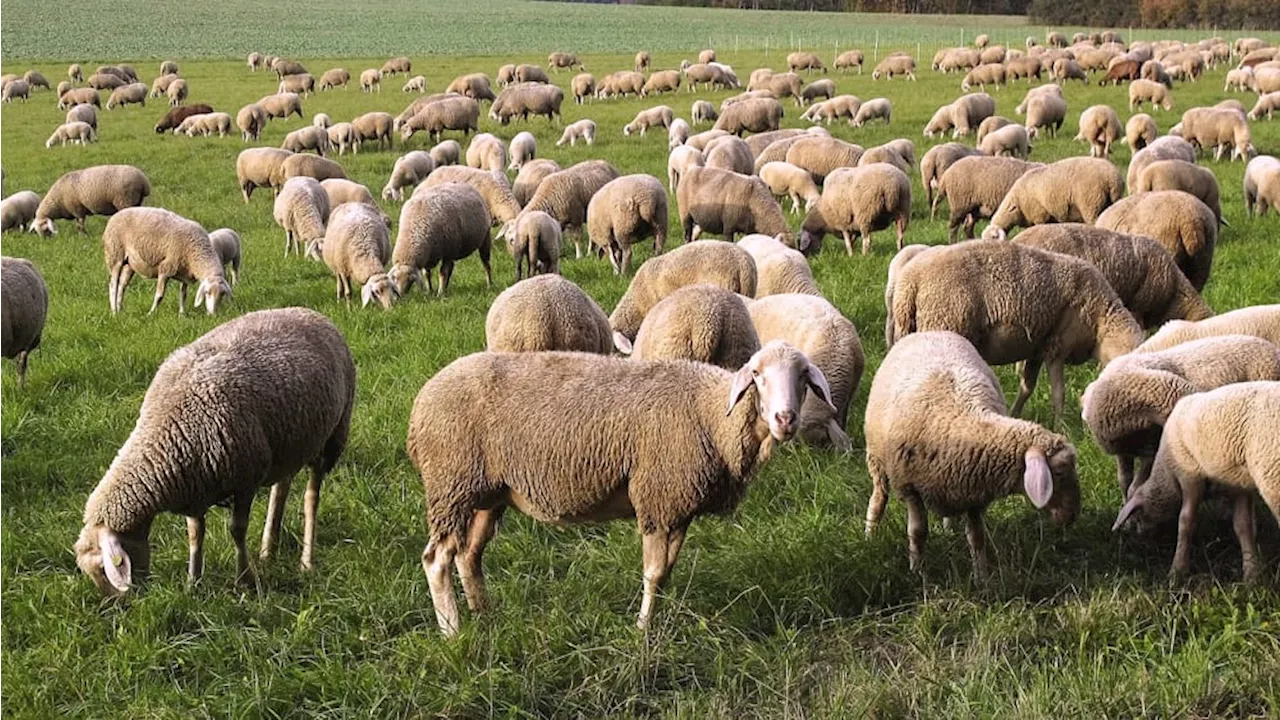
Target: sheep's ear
[[115, 561], [818, 383], [366, 295], [1037, 480], [621, 343], [803, 242], [1135, 503], [200, 292], [742, 380]]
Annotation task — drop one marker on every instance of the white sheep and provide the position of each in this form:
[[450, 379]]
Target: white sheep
[[625, 211], [524, 147], [779, 269], [157, 243], [786, 180], [547, 312], [356, 247], [18, 210], [579, 130], [677, 133], [226, 242], [717, 263], [440, 226], [301, 209], [534, 238], [74, 132], [410, 169], [702, 323], [1259, 321], [1261, 185], [24, 305]]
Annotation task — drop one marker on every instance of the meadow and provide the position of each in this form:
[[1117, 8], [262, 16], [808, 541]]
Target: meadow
[[782, 609]]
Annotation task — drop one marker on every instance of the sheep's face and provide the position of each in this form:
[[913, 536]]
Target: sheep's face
[[379, 287], [1051, 484], [43, 227], [101, 554], [782, 376], [402, 277], [1153, 503], [211, 293]]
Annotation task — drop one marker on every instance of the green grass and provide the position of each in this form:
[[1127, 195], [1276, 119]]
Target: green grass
[[782, 609]]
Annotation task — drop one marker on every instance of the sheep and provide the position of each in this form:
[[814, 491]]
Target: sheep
[[1225, 436], [544, 313], [863, 199], [312, 166], [283, 67], [581, 129], [282, 105], [583, 87], [887, 153], [440, 226], [62, 89], [642, 61], [700, 141], [707, 56], [341, 190], [677, 133], [1023, 67], [1261, 321], [97, 81], [1122, 70], [76, 132], [343, 136], [625, 211], [530, 176], [935, 163], [1217, 128], [1069, 190], [25, 306], [303, 84], [1010, 140], [226, 243], [416, 106], [1099, 128], [260, 167], [662, 81], [1065, 69], [621, 84], [959, 59], [1181, 175], [75, 73], [97, 190], [526, 73], [1185, 226], [1149, 91], [721, 264], [823, 155], [506, 75], [984, 75], [1140, 131], [798, 61], [177, 92], [534, 237], [678, 160], [895, 65], [756, 115], [377, 126], [491, 185], [371, 80], [983, 291], [1045, 111], [410, 169], [993, 54], [527, 99], [976, 189], [133, 93], [1266, 105], [659, 116], [487, 153], [962, 116], [523, 149], [787, 180], [729, 153], [704, 448], [1051, 89], [723, 202], [1261, 185], [565, 195], [824, 88], [205, 125], [849, 59], [452, 113], [18, 210], [307, 138], [849, 106], [339, 77], [397, 65], [1166, 147], [781, 85], [934, 394], [356, 247], [1241, 79], [83, 113], [75, 96], [995, 122], [1139, 269], [446, 153], [301, 209], [153, 242], [182, 462], [473, 85], [1126, 408], [779, 269], [251, 119], [702, 323]]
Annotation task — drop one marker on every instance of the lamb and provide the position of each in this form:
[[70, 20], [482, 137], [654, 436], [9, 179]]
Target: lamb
[[726, 203], [1149, 91], [440, 226], [1140, 131], [307, 138], [356, 248], [984, 75], [642, 61], [677, 133], [25, 306], [1226, 436], [282, 105], [312, 166], [934, 392], [527, 99], [303, 84], [981, 290], [962, 116], [397, 65], [779, 269], [153, 242], [1241, 79], [824, 88], [580, 130], [1011, 140], [18, 210], [83, 113], [625, 211], [895, 64], [678, 161], [1266, 105], [935, 163], [1185, 226], [1045, 111], [975, 191], [177, 92], [492, 186], [131, 94], [534, 237], [96, 190], [260, 167], [1138, 268], [849, 59], [1181, 175], [523, 149], [565, 195], [410, 169], [301, 209], [446, 153], [864, 200], [822, 155], [1099, 128], [583, 87], [1069, 190], [76, 132], [75, 96], [544, 313], [1128, 405], [1167, 147], [339, 77], [729, 153], [787, 180], [708, 456], [371, 80], [756, 115], [377, 126], [452, 113], [721, 264], [530, 176], [662, 81], [343, 136], [226, 243], [473, 85], [1261, 185], [252, 120], [1261, 321], [179, 462], [660, 116], [174, 117]]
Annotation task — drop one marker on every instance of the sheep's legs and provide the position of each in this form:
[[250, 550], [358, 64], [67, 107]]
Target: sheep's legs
[[275, 515], [182, 298], [1191, 494], [848, 243], [310, 506], [436, 561], [1124, 475], [469, 561], [660, 552], [195, 548], [977, 544], [160, 283], [1058, 387], [22, 368], [1029, 373], [1242, 521], [240, 506], [446, 272], [113, 287], [917, 528], [879, 495]]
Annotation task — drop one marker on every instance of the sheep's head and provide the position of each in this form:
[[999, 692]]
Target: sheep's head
[[403, 277], [104, 555], [43, 227], [381, 288], [1152, 503], [1050, 482], [211, 292], [782, 376]]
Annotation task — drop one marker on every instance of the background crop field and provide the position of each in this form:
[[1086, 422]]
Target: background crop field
[[781, 609]]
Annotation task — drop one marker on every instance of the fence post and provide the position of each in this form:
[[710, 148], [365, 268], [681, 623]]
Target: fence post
[[875, 54]]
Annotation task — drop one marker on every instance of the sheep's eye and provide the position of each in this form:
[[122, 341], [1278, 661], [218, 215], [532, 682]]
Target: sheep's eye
[[755, 373]]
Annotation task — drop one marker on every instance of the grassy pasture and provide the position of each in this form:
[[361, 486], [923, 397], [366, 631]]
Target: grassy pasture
[[782, 609]]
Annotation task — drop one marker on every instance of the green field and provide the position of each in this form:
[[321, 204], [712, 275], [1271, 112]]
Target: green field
[[781, 609]]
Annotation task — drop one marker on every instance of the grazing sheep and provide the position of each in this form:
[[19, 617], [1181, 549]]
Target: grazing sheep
[[707, 456], [18, 210], [975, 191], [307, 138], [722, 202], [1217, 128], [440, 226], [662, 81], [506, 75], [1070, 190], [417, 83], [935, 163], [933, 408], [451, 113], [962, 116], [1009, 141], [621, 84], [341, 191], [786, 180], [1184, 176], [754, 115], [283, 67], [487, 152], [75, 73], [282, 105], [252, 120], [1261, 185], [260, 167], [410, 169], [76, 132], [447, 152], [182, 462], [1045, 111], [303, 84], [702, 323], [1166, 147], [378, 126], [25, 305], [1185, 226], [863, 199], [371, 80], [798, 61], [544, 313], [205, 125], [678, 161], [344, 136], [339, 77], [1099, 128], [642, 61], [995, 122], [1239, 79], [153, 242], [729, 153], [1065, 69], [177, 92], [527, 99], [473, 85], [822, 155], [1151, 92], [75, 96], [1153, 71], [1024, 67], [779, 269], [98, 190], [660, 116], [583, 87], [1051, 89], [721, 264], [1267, 104], [1140, 131], [1261, 321], [131, 94], [301, 209], [397, 65], [582, 129], [492, 186], [700, 141], [896, 64], [226, 243], [849, 59], [983, 75], [565, 195], [1122, 71], [824, 88], [356, 248], [83, 113], [97, 81], [526, 73], [534, 238], [625, 211], [524, 147], [678, 133], [530, 176]]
